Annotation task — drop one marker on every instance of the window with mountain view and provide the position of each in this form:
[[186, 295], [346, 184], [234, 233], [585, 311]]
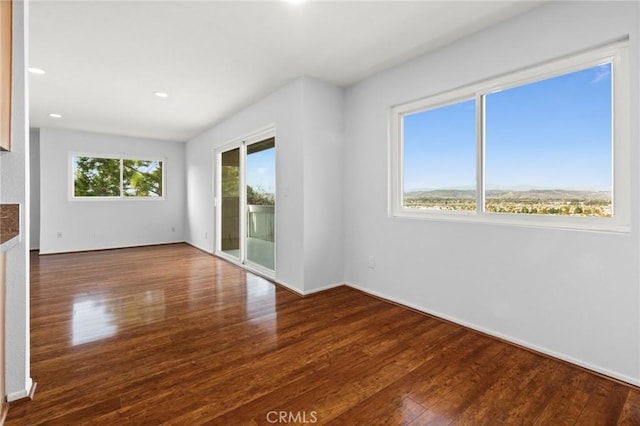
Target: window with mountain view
[[116, 177], [548, 146], [439, 156], [548, 142]]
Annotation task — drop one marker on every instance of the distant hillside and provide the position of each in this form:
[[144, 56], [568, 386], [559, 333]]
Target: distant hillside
[[501, 194], [444, 194]]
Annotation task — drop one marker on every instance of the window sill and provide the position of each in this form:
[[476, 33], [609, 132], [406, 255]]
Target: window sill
[[585, 224]]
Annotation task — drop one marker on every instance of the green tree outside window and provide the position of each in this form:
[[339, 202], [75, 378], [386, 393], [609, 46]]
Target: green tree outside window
[[142, 178], [101, 177]]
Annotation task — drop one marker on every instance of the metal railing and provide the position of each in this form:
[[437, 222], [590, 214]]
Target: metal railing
[[261, 222]]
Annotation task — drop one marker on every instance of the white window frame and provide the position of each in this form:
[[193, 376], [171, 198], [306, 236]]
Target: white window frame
[[617, 54], [121, 197]]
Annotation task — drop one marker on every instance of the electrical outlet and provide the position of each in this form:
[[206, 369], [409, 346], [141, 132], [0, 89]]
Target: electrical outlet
[[59, 234], [206, 235], [371, 262], [173, 229]]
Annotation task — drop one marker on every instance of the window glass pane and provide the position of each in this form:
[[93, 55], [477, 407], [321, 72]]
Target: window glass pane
[[261, 174], [96, 177], [230, 220], [548, 146], [142, 178], [439, 158], [261, 200]]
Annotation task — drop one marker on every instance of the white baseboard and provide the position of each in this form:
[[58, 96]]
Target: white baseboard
[[199, 247], [293, 288], [308, 292], [22, 393], [324, 288], [571, 360], [115, 247]]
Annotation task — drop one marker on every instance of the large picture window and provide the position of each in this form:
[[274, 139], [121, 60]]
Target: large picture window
[[107, 177], [544, 146]]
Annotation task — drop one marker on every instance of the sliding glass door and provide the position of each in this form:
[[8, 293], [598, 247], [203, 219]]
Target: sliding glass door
[[230, 202], [246, 202], [261, 202]]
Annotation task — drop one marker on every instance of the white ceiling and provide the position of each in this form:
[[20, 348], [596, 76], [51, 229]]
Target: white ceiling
[[105, 60]]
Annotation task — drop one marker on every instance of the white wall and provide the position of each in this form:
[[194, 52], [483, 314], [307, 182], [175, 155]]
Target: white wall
[[34, 173], [284, 109], [100, 224], [572, 294], [294, 114], [14, 188], [323, 113]]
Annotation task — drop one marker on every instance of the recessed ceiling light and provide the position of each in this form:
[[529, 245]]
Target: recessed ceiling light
[[34, 70], [161, 94], [54, 115]]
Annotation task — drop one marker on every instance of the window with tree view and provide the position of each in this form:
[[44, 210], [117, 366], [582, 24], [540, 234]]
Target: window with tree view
[[542, 142], [116, 177]]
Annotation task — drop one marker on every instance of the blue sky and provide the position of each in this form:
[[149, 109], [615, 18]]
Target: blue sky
[[261, 171], [554, 133]]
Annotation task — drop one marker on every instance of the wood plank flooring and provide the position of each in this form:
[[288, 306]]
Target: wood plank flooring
[[171, 335]]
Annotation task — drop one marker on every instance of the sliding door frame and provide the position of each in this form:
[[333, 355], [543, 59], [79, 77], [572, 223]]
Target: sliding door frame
[[241, 143]]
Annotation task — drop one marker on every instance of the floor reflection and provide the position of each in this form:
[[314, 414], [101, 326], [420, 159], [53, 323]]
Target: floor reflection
[[261, 303], [97, 317]]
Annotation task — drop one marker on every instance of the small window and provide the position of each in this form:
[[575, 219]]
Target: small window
[[105, 177], [544, 146], [96, 177], [142, 178], [439, 156]]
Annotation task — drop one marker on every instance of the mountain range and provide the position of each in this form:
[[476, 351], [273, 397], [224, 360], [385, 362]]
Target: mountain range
[[511, 194]]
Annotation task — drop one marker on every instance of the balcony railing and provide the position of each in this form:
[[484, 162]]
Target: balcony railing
[[261, 222]]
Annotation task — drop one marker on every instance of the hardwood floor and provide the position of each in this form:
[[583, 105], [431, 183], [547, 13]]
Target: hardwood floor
[[169, 334]]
